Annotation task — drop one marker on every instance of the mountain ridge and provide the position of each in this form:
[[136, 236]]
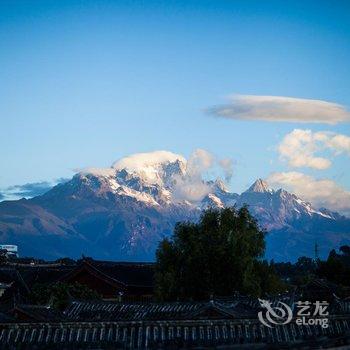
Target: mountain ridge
[[122, 213]]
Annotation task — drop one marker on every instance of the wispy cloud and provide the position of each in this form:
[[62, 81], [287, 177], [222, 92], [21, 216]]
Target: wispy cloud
[[320, 192], [299, 148], [281, 109], [29, 190], [227, 166]]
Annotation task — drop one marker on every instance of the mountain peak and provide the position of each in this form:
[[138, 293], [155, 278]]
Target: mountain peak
[[260, 186], [220, 185], [152, 166]]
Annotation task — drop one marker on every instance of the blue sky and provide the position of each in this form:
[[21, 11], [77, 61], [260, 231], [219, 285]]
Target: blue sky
[[83, 83]]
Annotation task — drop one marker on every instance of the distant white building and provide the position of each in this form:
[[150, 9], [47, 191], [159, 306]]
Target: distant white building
[[12, 250]]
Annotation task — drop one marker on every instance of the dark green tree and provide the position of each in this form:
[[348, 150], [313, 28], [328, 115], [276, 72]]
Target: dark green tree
[[345, 249], [297, 274], [66, 261], [269, 281], [336, 268], [305, 265], [216, 256], [59, 294]]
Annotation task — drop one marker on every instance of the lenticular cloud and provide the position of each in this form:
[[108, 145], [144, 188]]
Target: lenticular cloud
[[281, 109]]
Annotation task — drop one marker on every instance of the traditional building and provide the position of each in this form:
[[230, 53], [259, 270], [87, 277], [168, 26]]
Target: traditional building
[[20, 278], [114, 280], [119, 322], [111, 280], [230, 324]]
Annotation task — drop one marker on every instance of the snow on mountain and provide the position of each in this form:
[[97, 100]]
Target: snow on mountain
[[259, 186], [148, 180], [122, 212], [212, 201]]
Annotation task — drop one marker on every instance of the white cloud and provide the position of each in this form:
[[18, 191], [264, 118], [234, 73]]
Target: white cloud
[[339, 143], [139, 161], [191, 186], [320, 192], [192, 189], [97, 171], [227, 167], [199, 161], [142, 163], [281, 109], [298, 148]]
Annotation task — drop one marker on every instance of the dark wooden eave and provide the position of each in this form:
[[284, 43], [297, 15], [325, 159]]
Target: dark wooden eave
[[98, 274]]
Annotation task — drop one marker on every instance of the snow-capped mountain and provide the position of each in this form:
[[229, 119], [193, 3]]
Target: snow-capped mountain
[[276, 209], [122, 212]]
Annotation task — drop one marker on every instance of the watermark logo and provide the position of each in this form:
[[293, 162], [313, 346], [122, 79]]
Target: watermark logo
[[308, 313], [275, 315]]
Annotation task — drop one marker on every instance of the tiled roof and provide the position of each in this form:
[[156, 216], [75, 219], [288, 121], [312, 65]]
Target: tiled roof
[[196, 334], [137, 274], [38, 313], [114, 311]]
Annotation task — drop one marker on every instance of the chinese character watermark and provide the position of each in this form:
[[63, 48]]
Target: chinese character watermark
[[312, 314]]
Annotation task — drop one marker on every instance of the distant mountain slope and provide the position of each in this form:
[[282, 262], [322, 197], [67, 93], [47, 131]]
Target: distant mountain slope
[[122, 213]]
